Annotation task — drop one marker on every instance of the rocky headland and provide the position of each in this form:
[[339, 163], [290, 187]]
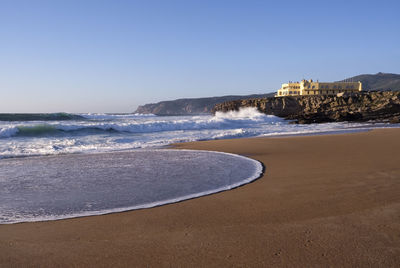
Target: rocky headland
[[383, 106], [191, 106]]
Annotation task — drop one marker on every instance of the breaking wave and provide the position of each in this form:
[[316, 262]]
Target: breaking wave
[[105, 132], [97, 116], [243, 118]]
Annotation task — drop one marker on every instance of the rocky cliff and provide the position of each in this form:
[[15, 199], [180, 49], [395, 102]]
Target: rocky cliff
[[190, 106], [363, 106]]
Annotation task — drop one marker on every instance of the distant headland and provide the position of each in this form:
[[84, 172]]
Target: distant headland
[[192, 106]]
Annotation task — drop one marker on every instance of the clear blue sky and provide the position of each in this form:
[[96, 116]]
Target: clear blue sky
[[110, 56]]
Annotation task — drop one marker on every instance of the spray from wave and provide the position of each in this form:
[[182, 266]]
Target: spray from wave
[[250, 113]]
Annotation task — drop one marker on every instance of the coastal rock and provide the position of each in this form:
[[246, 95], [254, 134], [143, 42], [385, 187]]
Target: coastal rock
[[381, 106]]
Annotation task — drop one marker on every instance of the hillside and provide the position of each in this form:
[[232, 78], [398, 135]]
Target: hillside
[[379, 81], [191, 106]]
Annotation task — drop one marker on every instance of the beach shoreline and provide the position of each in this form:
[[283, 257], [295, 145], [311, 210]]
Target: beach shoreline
[[324, 200]]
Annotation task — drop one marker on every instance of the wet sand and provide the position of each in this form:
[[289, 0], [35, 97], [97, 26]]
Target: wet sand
[[329, 200]]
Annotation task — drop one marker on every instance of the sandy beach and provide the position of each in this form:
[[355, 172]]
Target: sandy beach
[[330, 200]]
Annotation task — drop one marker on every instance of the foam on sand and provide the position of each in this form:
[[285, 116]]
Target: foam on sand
[[67, 186]]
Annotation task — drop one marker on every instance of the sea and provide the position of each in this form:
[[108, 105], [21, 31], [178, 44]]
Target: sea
[[57, 166], [62, 133]]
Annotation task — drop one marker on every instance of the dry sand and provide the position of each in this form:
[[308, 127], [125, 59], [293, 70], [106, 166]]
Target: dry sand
[[324, 201]]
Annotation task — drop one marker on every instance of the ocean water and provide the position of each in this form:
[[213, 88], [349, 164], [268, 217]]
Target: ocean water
[[58, 187], [69, 165], [85, 133]]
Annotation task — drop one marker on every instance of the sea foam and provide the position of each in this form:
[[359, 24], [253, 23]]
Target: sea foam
[[105, 132], [58, 187], [139, 124]]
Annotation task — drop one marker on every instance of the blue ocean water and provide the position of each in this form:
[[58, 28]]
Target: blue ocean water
[[84, 133]]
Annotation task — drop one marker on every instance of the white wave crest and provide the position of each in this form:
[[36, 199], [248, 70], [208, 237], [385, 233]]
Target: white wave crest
[[131, 131], [97, 116], [7, 132], [243, 118], [244, 113]]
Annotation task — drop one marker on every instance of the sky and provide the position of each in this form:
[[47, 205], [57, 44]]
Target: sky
[[113, 55]]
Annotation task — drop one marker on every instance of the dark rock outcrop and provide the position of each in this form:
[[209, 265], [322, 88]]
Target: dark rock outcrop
[[364, 106], [190, 106]]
